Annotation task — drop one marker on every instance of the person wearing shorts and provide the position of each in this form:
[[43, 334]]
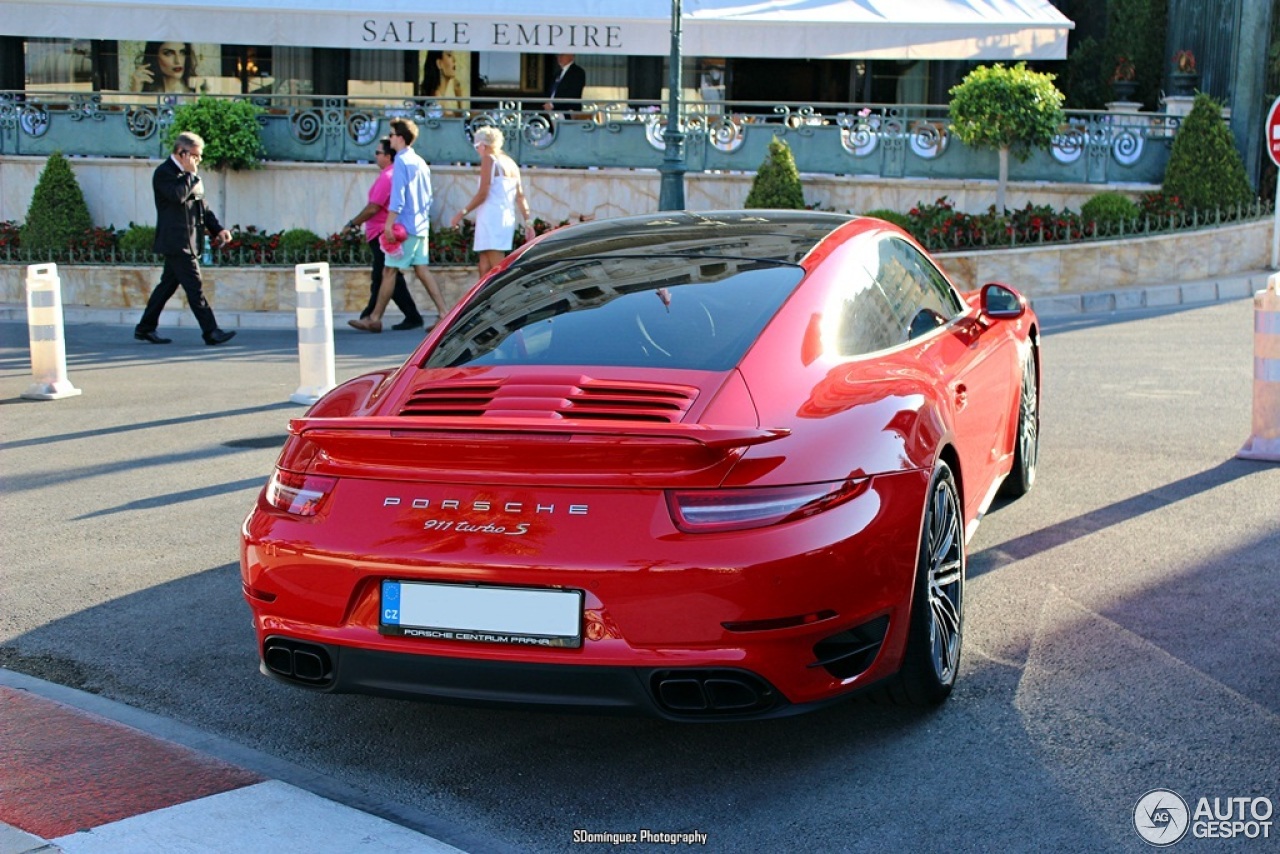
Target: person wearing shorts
[[409, 207]]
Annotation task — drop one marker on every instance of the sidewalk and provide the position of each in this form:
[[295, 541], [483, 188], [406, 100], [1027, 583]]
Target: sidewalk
[[85, 775], [1152, 295]]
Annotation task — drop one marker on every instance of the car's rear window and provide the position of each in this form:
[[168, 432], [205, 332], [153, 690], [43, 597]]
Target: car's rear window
[[698, 313]]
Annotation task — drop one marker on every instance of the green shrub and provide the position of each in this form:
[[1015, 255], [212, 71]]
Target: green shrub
[[230, 130], [296, 243], [901, 220], [137, 242], [1111, 211], [1205, 170], [58, 213], [777, 184]]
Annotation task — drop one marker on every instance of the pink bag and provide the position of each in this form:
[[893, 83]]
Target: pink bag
[[394, 249]]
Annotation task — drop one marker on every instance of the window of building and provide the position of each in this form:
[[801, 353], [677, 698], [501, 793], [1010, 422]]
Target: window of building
[[378, 76], [606, 78], [59, 65], [510, 73]]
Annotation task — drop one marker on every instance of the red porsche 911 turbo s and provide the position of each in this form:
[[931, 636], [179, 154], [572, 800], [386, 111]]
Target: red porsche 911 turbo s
[[696, 465]]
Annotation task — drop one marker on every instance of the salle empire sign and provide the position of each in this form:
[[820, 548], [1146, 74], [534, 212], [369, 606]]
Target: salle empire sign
[[491, 36]]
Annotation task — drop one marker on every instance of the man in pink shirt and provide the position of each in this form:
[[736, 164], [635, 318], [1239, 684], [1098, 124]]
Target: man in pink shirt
[[374, 217]]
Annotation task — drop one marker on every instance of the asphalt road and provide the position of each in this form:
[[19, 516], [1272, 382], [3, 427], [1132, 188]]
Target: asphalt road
[[1121, 619]]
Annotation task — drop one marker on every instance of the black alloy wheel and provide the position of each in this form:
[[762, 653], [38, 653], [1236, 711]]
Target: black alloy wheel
[[1026, 452], [937, 608]]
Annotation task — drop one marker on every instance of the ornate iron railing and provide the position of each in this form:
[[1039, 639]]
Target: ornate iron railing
[[874, 140]]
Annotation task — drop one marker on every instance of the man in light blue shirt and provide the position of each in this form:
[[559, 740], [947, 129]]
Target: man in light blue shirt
[[410, 208]]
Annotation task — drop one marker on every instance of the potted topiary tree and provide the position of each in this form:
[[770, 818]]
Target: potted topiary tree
[[57, 213], [1009, 109], [777, 184]]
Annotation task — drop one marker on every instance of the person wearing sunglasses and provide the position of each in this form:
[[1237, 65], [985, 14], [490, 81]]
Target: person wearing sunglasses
[[373, 217], [408, 211]]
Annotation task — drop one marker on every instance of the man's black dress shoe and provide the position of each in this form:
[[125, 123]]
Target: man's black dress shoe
[[218, 336], [409, 324], [151, 338]]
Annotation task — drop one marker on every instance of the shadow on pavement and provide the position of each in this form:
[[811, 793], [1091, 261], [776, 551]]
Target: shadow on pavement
[[1029, 545]]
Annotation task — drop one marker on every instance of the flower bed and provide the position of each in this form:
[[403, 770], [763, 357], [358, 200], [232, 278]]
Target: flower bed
[[249, 246], [938, 226]]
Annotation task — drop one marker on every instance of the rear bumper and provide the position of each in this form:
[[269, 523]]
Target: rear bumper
[[755, 623], [682, 694]]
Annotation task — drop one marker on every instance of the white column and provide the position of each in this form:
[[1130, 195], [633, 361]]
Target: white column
[[1264, 443], [48, 347], [315, 333]]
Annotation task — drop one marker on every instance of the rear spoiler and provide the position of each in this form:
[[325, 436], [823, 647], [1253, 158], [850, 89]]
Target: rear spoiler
[[524, 450]]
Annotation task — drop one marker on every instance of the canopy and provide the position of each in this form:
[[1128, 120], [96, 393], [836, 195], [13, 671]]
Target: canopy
[[783, 29]]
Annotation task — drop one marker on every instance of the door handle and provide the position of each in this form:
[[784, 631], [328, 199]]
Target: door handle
[[962, 396]]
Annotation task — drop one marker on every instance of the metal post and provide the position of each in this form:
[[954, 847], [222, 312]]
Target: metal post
[[671, 191], [1275, 227]]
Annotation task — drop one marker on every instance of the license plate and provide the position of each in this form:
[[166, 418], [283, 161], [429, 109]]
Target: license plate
[[519, 616]]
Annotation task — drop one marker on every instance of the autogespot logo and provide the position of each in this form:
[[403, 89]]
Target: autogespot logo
[[1161, 817]]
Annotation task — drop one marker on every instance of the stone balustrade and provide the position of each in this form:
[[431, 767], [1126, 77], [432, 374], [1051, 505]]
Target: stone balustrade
[[321, 197]]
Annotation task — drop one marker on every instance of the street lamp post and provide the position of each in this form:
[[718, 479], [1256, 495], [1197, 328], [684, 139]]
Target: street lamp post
[[671, 191]]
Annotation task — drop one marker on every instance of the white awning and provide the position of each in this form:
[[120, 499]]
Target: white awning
[[783, 29]]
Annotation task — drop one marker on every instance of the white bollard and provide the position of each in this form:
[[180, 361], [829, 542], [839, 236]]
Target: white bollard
[[1264, 444], [48, 347], [315, 333]]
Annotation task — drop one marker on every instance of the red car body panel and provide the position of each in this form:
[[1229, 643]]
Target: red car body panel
[[570, 477]]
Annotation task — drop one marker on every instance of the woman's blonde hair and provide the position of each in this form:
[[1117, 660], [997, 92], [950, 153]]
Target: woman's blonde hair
[[490, 136]]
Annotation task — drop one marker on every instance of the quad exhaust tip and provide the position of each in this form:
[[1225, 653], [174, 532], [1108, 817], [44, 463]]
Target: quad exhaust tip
[[304, 663], [711, 692]]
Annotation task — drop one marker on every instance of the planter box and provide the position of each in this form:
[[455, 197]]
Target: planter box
[[1046, 271], [243, 289]]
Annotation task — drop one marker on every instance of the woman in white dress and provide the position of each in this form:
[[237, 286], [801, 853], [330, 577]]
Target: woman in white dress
[[496, 201]]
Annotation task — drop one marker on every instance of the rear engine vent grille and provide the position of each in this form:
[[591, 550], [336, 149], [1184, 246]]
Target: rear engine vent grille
[[581, 398]]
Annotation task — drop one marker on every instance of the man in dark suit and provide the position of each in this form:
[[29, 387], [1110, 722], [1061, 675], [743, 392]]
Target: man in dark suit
[[565, 93], [180, 213]]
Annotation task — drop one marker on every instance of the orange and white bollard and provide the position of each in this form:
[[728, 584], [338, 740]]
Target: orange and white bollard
[[48, 347], [1264, 444], [315, 333]]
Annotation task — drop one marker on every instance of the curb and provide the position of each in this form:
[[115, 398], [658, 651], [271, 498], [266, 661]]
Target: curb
[[338, 807], [1233, 287]]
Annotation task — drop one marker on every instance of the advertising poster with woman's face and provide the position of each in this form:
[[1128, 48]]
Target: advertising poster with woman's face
[[168, 68], [446, 79]]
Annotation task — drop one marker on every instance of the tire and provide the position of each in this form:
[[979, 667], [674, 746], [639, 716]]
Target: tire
[[934, 637], [1026, 447]]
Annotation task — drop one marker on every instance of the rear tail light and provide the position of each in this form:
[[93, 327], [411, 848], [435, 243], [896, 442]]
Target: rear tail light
[[299, 494], [707, 510]]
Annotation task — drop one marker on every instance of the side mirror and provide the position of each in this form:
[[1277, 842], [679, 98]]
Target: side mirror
[[1001, 302]]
